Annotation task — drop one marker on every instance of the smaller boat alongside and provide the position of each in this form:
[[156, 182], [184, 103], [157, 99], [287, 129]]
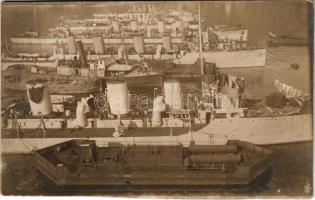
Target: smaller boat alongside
[[82, 163], [283, 40]]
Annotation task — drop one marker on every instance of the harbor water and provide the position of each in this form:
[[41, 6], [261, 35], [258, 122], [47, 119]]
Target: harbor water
[[293, 163]]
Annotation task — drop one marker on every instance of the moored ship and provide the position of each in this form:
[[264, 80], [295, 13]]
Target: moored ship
[[216, 114], [283, 40], [82, 163], [118, 115], [172, 38]]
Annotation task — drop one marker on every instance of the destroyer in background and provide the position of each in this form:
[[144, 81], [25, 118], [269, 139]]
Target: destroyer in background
[[146, 33]]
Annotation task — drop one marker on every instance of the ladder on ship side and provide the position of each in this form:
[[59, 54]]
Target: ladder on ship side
[[42, 125], [19, 131]]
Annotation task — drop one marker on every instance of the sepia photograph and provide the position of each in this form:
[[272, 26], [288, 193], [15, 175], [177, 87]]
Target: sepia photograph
[[157, 99]]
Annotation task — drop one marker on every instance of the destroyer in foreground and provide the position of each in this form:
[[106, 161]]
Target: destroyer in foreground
[[81, 162]]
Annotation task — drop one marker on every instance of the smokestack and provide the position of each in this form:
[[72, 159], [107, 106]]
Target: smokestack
[[117, 97], [172, 93], [71, 45], [161, 26], [116, 27], [38, 95], [166, 42], [134, 25], [138, 40], [98, 45], [81, 54]]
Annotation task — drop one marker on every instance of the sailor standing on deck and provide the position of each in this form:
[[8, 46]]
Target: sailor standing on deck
[[202, 112], [15, 123]]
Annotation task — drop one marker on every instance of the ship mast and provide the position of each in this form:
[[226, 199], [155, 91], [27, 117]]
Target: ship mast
[[124, 45], [200, 40]]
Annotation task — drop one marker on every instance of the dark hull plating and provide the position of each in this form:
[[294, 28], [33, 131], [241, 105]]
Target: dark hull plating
[[157, 166]]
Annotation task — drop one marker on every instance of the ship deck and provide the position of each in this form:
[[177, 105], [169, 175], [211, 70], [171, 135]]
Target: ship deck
[[82, 163], [90, 132]]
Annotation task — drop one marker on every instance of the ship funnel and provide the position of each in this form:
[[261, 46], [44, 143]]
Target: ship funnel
[[98, 45], [166, 42], [81, 110], [116, 26], [71, 45], [158, 51], [161, 26], [82, 56], [38, 95], [149, 32], [138, 43], [180, 26], [120, 52], [172, 93], [134, 25], [117, 97], [185, 25]]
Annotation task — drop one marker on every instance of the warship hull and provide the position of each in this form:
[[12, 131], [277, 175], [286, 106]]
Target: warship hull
[[228, 59], [81, 162], [118, 41], [260, 131], [234, 59], [286, 41]]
